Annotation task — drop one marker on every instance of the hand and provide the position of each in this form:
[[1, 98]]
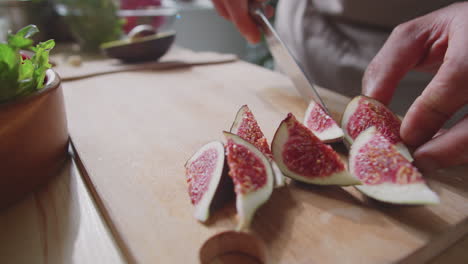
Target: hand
[[437, 43], [237, 11]]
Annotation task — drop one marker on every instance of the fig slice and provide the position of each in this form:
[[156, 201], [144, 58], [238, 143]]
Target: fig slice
[[252, 174], [204, 172], [321, 124], [302, 156], [363, 112], [246, 126], [386, 174]]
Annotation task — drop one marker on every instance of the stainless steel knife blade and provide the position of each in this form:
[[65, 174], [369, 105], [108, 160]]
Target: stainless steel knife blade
[[284, 58]]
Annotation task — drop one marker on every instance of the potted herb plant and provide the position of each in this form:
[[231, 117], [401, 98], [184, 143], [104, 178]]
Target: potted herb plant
[[33, 126]]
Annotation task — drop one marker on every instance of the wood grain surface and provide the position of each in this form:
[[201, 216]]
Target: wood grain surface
[[55, 225], [134, 130], [176, 58]]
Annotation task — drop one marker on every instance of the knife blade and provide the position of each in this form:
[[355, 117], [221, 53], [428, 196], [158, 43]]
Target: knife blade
[[284, 58]]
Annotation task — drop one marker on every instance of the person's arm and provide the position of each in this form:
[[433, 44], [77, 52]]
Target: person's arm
[[237, 12], [437, 43]]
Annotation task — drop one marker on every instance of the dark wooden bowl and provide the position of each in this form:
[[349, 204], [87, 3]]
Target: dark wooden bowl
[[149, 48], [33, 140]]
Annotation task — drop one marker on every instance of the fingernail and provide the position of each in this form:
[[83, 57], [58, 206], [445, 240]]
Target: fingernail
[[440, 132], [368, 86], [412, 135], [427, 164]]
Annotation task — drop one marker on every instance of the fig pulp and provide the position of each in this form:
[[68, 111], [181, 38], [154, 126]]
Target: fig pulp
[[253, 179], [363, 112], [303, 157], [385, 173], [246, 126], [204, 173], [321, 124]]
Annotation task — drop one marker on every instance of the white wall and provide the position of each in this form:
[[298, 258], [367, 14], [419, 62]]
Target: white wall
[[202, 29]]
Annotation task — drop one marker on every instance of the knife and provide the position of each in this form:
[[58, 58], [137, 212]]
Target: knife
[[284, 58]]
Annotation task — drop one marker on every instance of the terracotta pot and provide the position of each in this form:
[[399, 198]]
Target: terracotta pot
[[33, 140]]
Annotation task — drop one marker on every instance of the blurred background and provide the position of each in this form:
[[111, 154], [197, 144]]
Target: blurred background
[[92, 22]]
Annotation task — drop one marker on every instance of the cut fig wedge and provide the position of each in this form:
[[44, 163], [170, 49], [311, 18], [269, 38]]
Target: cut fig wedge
[[321, 124], [246, 126], [302, 156], [253, 178], [386, 174], [363, 112], [204, 171]]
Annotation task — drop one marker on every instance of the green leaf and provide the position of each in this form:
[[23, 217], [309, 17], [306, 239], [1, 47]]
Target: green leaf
[[26, 80], [8, 55], [41, 62], [27, 31], [48, 45], [20, 77], [19, 42], [26, 69], [9, 61]]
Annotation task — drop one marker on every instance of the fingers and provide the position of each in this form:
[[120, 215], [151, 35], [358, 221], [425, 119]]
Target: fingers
[[238, 12], [445, 94], [401, 52], [219, 5], [269, 11], [418, 44], [423, 43], [448, 149]]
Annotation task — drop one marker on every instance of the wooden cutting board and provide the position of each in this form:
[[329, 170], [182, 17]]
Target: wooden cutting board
[[134, 131]]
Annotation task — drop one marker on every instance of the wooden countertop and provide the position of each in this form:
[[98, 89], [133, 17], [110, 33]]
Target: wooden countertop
[[57, 224]]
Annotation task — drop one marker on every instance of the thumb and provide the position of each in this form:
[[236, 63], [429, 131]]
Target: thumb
[[446, 150]]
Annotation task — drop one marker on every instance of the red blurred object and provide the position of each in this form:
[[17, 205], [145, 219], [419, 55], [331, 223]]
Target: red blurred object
[[132, 22], [24, 56], [135, 4]]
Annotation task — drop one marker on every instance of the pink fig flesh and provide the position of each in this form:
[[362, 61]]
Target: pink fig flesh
[[385, 173], [204, 171], [364, 112], [321, 124], [369, 112], [246, 170], [378, 161], [303, 149], [246, 126], [302, 156], [252, 174]]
